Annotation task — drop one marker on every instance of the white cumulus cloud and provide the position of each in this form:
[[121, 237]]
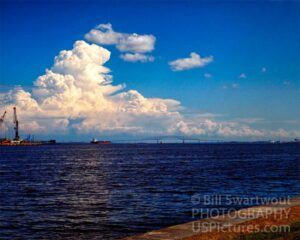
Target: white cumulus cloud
[[104, 34], [194, 61], [77, 94], [136, 57]]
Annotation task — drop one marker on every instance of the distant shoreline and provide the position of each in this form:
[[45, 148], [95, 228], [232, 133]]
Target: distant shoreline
[[135, 142]]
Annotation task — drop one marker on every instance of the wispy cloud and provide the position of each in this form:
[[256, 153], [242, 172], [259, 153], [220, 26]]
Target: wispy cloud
[[207, 75], [194, 61], [263, 69], [231, 86], [235, 85], [249, 120], [242, 75]]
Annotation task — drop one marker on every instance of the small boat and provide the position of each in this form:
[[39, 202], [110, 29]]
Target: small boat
[[95, 141]]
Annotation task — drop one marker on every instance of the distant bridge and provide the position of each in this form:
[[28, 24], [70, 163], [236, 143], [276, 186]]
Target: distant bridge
[[168, 139]]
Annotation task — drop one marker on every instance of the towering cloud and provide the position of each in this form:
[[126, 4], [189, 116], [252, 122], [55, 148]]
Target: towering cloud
[[77, 94], [78, 89]]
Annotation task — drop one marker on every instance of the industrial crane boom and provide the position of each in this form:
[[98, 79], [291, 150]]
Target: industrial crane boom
[[2, 118], [16, 122], [1, 123]]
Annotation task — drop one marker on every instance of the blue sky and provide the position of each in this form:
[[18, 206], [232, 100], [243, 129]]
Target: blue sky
[[243, 38]]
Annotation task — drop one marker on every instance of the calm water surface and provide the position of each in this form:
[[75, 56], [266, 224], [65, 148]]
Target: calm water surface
[[107, 192]]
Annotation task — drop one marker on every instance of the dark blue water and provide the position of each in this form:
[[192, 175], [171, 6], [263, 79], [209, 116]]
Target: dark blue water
[[108, 192]]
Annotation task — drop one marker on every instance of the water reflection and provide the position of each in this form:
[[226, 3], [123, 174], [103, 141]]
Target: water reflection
[[107, 192]]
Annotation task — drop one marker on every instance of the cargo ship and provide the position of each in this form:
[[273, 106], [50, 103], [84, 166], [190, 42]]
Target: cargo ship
[[95, 141]]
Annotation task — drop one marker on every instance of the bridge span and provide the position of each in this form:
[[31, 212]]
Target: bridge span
[[168, 139]]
